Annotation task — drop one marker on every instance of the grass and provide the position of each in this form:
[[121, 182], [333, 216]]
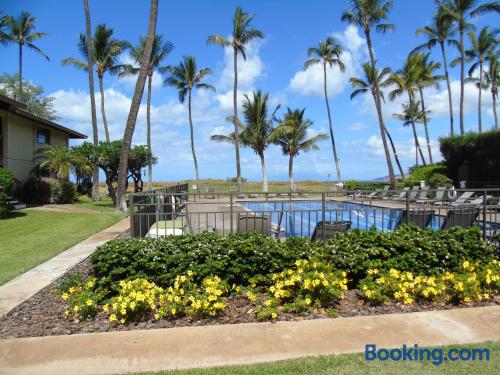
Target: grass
[[356, 364], [30, 237]]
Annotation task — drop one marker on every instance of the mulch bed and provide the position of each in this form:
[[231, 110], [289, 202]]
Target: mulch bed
[[43, 314]]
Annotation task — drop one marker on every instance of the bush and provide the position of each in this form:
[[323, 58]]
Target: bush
[[242, 257], [477, 151], [6, 186], [48, 190], [428, 174], [81, 296]]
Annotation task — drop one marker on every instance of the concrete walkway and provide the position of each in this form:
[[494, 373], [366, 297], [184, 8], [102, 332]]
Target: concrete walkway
[[26, 285], [190, 347]]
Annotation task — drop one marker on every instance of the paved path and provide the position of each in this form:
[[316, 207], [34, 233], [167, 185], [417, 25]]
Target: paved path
[[26, 285], [189, 347]]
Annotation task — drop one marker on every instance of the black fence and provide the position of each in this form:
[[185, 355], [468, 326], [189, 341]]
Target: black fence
[[312, 214]]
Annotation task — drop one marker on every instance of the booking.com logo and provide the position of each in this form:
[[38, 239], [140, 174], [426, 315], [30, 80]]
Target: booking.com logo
[[435, 355]]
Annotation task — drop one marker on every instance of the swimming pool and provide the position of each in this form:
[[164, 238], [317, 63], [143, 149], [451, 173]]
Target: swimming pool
[[299, 218]]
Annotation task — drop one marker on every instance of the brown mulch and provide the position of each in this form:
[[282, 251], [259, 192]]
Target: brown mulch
[[43, 314]]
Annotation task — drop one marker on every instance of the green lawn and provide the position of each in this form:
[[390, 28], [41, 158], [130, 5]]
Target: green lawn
[[356, 364], [28, 237]]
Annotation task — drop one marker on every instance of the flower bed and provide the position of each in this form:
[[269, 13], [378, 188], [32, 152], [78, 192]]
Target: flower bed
[[209, 279]]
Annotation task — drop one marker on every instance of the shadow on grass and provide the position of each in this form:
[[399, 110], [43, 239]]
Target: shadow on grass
[[15, 214]]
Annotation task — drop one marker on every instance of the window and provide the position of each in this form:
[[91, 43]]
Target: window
[[42, 137]]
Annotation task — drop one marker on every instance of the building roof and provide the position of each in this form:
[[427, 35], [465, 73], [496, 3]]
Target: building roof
[[19, 109]]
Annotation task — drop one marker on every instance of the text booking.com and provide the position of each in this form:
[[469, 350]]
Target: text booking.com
[[434, 355]]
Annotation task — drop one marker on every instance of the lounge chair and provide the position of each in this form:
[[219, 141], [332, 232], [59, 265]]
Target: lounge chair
[[460, 200], [412, 194], [327, 229], [252, 195], [385, 191], [241, 196], [372, 195], [401, 195], [460, 217], [420, 218], [248, 222], [473, 202], [441, 190], [271, 195]]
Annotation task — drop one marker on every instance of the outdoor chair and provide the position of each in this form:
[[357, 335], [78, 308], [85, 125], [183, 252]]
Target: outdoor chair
[[441, 190], [252, 195], [324, 230], [240, 196], [249, 222], [412, 194], [460, 200], [402, 194], [271, 195], [460, 217], [420, 218], [474, 202]]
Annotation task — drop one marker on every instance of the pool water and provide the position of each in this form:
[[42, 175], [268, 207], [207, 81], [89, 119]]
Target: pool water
[[300, 218]]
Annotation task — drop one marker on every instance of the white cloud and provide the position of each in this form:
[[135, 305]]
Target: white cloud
[[357, 126], [310, 81]]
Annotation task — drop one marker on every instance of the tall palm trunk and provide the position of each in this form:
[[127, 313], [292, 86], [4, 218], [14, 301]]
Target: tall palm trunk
[[450, 102], [148, 135], [121, 203], [417, 144], [235, 118], [290, 173], [395, 154], [20, 72], [95, 131], [425, 126], [103, 112], [462, 80], [494, 106], [264, 173], [376, 95], [334, 148], [191, 130], [479, 119]]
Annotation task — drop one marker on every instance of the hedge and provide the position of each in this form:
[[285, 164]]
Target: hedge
[[6, 186], [240, 257], [481, 151]]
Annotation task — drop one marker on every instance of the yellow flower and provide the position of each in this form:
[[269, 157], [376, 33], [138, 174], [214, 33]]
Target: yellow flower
[[66, 312], [173, 311], [157, 316], [268, 302], [113, 318], [274, 315], [65, 296], [76, 308], [122, 320], [123, 311], [307, 301], [89, 302]]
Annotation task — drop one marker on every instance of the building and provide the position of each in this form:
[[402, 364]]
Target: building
[[22, 135]]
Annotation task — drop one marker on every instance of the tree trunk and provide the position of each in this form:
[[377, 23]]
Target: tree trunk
[[290, 173], [148, 135], [479, 119], [417, 144], [334, 148], [462, 78], [103, 112], [425, 126], [450, 102], [121, 203], [395, 155], [95, 131], [264, 174], [191, 131], [494, 107], [235, 118], [378, 106], [20, 72]]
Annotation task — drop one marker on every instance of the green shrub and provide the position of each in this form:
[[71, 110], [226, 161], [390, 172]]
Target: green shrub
[[479, 151], [244, 257], [48, 190], [428, 174], [6, 180], [5, 207]]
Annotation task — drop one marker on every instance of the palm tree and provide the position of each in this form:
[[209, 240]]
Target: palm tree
[[160, 52], [368, 14], [460, 11], [328, 52], [257, 129], [95, 130], [405, 80], [242, 35], [361, 86], [441, 32], [410, 115], [106, 51], [293, 138], [492, 78], [20, 30], [186, 77], [3, 26], [482, 46], [121, 203], [427, 78], [57, 160]]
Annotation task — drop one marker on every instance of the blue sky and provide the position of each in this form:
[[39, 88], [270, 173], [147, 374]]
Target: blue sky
[[274, 65]]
